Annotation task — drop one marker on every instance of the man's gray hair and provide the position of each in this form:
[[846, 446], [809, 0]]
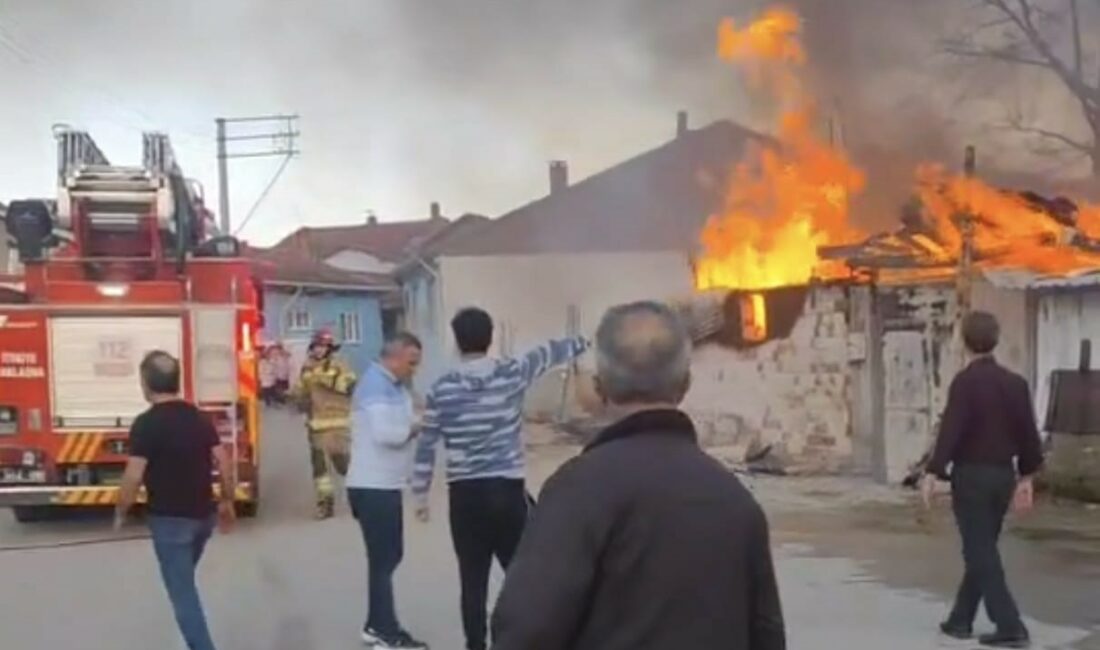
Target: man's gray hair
[[398, 342], [643, 354]]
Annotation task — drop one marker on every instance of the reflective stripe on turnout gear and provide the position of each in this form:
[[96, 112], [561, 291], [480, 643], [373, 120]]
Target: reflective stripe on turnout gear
[[325, 385], [320, 425], [323, 486]]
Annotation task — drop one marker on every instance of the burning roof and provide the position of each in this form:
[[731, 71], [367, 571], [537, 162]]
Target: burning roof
[[786, 219], [1046, 236]]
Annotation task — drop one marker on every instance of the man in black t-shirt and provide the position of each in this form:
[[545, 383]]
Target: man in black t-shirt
[[172, 450]]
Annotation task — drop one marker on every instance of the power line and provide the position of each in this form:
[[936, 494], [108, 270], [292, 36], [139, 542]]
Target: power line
[[29, 56], [263, 195], [282, 132]]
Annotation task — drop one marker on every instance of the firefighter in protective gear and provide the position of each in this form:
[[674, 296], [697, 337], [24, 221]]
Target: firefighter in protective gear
[[323, 392]]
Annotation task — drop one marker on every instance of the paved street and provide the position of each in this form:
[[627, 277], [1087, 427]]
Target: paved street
[[869, 580]]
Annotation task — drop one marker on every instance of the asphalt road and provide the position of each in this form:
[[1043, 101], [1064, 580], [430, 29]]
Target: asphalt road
[[285, 582]]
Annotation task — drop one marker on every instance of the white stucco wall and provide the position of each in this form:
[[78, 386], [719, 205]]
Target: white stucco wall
[[793, 393], [530, 296], [1064, 320], [358, 262]]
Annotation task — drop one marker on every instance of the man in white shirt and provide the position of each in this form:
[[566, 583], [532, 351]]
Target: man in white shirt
[[383, 427]]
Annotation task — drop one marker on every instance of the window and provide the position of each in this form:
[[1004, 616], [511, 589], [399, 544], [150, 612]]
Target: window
[[298, 320], [349, 328]]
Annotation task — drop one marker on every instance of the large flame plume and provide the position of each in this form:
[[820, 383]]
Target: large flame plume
[[783, 203]]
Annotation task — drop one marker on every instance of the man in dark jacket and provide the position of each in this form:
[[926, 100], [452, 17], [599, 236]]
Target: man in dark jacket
[[643, 541], [989, 437]]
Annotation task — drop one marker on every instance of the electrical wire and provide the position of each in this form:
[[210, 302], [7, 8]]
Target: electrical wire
[[28, 56], [263, 194]]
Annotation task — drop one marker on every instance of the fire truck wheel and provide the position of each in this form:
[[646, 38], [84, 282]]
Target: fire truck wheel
[[31, 514]]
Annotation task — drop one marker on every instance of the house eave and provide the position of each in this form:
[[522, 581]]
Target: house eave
[[330, 286]]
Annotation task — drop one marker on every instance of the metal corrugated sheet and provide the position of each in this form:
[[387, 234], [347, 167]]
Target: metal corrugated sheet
[[1064, 319], [1023, 279]]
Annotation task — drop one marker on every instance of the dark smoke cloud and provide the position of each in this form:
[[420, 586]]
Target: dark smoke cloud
[[408, 101]]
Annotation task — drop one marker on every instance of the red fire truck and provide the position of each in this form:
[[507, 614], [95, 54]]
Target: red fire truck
[[124, 261]]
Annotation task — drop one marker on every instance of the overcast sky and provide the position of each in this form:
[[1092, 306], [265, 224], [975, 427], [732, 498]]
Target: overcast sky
[[404, 102]]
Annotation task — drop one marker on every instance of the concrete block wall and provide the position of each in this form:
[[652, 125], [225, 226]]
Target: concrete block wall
[[794, 393]]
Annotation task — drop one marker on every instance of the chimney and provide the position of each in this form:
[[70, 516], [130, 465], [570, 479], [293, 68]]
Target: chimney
[[436, 211], [559, 176], [372, 219], [681, 124]]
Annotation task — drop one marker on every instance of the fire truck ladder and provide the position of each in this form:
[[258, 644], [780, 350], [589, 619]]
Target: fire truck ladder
[[115, 198]]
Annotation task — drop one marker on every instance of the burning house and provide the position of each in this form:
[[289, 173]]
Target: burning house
[[818, 346], [833, 348]]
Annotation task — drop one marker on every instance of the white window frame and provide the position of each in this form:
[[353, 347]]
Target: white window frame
[[351, 330], [298, 319]]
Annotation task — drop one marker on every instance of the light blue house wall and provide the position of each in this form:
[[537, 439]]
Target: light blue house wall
[[422, 317], [292, 316]]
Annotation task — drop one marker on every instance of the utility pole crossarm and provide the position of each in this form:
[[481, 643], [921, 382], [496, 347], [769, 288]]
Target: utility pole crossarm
[[281, 135]]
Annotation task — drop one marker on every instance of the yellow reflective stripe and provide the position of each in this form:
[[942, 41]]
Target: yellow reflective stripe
[[82, 447], [90, 452], [324, 486], [66, 449], [330, 423], [108, 497]]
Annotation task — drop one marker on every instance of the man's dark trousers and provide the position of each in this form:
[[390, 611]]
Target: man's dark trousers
[[487, 520], [381, 521], [981, 496]]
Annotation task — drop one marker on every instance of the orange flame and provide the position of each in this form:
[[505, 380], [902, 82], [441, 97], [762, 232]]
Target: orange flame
[[754, 317], [1007, 230], [781, 204]]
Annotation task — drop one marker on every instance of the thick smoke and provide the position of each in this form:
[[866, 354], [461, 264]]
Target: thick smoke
[[406, 102]]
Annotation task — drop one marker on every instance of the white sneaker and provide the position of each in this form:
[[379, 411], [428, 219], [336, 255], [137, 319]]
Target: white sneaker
[[370, 637], [400, 642]]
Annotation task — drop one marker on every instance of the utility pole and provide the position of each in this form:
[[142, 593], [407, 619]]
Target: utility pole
[[223, 178], [277, 135], [966, 227]]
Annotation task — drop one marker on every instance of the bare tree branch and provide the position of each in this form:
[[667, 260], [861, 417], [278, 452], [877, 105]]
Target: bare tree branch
[[1046, 142], [1053, 135], [1075, 26], [1000, 54], [1031, 41]]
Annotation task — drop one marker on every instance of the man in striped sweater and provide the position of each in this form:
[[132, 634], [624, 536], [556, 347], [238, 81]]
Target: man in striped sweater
[[476, 409]]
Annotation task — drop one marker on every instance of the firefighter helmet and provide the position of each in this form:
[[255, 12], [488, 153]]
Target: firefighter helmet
[[324, 338]]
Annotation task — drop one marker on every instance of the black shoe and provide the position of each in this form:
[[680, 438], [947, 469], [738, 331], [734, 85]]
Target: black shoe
[[400, 641], [1020, 639], [326, 509], [955, 631]]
